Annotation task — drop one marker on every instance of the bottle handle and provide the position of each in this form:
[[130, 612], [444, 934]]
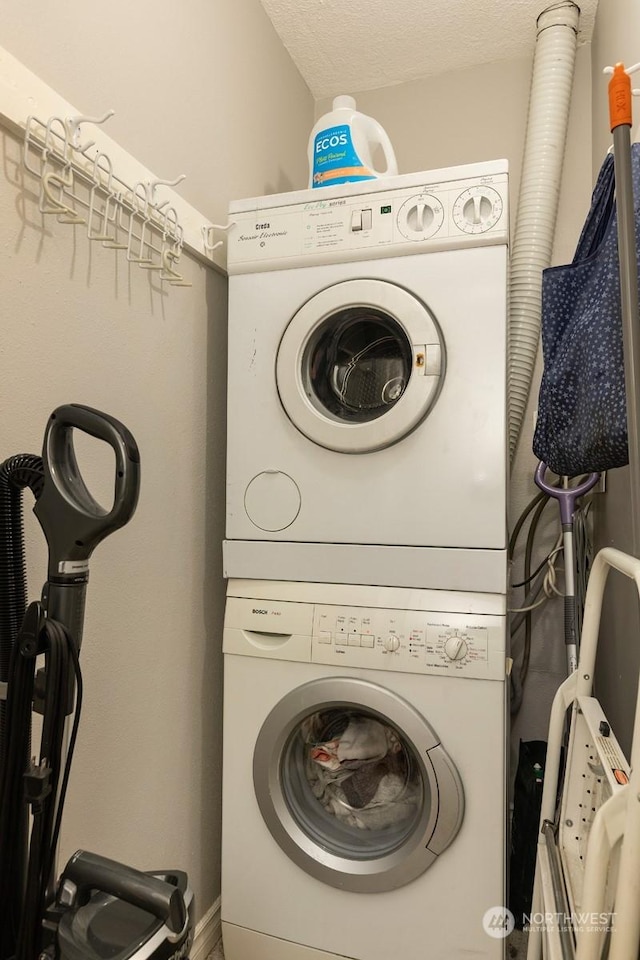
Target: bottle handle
[[379, 134]]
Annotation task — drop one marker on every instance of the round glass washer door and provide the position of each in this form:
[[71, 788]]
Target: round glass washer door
[[354, 785], [360, 365]]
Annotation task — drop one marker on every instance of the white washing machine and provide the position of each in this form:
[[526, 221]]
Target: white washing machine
[[363, 772], [367, 382]]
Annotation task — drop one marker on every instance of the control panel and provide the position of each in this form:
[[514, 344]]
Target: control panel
[[411, 218], [412, 641]]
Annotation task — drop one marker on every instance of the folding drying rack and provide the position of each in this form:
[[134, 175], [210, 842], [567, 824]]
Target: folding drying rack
[[587, 884]]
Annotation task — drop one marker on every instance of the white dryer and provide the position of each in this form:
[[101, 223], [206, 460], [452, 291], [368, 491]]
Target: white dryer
[[363, 773], [367, 382]]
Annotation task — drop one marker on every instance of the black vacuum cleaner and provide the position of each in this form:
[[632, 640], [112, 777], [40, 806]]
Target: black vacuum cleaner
[[97, 908]]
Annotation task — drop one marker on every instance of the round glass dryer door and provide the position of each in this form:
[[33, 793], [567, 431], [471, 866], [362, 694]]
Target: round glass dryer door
[[359, 365], [354, 785]]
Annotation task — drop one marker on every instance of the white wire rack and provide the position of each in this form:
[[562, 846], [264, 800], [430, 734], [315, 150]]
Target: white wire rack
[[99, 185], [78, 186]]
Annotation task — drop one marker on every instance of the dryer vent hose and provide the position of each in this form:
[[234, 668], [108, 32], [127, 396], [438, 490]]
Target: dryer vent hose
[[547, 122]]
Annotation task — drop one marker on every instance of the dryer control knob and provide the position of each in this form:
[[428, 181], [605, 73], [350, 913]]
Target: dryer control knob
[[419, 218], [391, 644], [456, 647], [477, 209]]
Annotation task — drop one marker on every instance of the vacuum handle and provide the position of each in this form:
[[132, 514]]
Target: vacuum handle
[[87, 872], [566, 496], [72, 521]]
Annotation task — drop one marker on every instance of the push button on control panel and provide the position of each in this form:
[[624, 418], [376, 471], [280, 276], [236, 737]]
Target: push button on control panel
[[361, 220]]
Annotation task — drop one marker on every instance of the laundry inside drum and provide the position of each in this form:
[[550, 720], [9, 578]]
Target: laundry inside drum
[[353, 782], [358, 363]]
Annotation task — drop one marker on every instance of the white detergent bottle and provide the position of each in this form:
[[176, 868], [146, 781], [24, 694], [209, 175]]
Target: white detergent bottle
[[342, 145]]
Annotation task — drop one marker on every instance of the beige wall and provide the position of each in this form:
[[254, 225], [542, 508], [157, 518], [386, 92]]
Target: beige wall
[[616, 38], [208, 90], [481, 114], [200, 88]]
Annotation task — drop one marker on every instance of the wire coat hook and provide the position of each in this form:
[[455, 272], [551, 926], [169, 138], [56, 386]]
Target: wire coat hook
[[64, 213], [72, 125], [207, 235]]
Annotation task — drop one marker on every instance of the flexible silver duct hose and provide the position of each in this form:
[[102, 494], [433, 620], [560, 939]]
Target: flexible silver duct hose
[[547, 122]]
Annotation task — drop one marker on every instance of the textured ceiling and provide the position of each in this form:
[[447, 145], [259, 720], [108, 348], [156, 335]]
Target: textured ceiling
[[343, 46]]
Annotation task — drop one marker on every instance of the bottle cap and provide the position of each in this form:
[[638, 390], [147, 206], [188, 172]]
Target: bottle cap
[[344, 101]]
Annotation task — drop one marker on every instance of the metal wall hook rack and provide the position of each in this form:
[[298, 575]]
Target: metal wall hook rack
[[65, 140], [82, 189]]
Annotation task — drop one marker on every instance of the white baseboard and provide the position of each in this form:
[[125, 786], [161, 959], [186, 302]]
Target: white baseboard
[[208, 932]]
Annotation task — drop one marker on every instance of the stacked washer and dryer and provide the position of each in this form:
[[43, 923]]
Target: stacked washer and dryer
[[365, 715]]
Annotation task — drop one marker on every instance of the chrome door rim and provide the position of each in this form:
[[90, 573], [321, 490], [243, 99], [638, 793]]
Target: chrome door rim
[[426, 841]]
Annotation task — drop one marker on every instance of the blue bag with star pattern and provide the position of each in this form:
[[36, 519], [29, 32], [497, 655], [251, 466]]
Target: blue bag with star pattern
[[582, 416]]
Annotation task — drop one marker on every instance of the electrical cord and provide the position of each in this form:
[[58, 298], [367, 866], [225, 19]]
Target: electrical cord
[[13, 811], [549, 561], [544, 580], [518, 677], [39, 785], [533, 526], [547, 583], [45, 788], [62, 793], [527, 603], [513, 539]]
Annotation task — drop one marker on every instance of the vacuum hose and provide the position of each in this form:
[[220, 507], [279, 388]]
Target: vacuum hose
[[23, 470], [16, 473]]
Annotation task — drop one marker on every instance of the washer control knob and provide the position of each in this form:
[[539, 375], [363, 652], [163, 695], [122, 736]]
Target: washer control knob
[[391, 644], [456, 647]]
